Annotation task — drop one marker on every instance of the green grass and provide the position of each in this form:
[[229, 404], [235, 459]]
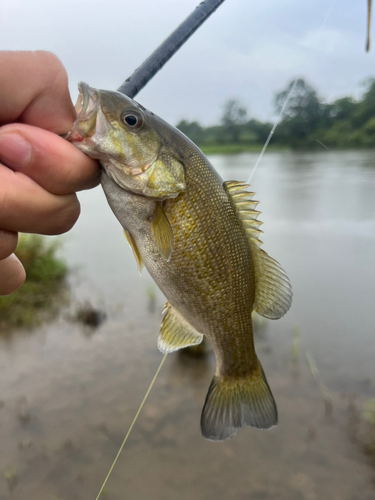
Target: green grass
[[228, 149], [41, 295]]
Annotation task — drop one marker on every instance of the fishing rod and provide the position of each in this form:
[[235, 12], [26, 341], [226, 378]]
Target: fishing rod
[[148, 69]]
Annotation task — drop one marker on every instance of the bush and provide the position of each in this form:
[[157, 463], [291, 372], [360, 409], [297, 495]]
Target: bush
[[41, 296]]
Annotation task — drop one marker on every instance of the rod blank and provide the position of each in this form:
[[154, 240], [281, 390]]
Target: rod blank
[[170, 46]]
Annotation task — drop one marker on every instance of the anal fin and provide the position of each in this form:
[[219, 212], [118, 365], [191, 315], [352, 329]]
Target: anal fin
[[175, 332]]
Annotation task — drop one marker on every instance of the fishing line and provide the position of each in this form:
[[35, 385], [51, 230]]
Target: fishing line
[[131, 426], [277, 121], [288, 97]]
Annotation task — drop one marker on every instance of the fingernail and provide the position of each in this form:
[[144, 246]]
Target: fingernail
[[14, 150]]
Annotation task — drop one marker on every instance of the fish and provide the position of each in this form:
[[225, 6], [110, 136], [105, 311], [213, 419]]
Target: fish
[[199, 239]]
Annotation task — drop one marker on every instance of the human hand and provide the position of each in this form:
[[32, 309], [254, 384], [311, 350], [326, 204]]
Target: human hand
[[39, 171]]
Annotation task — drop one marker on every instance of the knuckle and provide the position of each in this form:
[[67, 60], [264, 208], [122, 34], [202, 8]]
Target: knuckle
[[54, 72], [66, 216], [51, 61]]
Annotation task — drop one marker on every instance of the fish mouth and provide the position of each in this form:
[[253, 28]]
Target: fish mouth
[[87, 101], [86, 108]]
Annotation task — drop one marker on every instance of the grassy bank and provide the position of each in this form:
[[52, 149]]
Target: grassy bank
[[41, 296]]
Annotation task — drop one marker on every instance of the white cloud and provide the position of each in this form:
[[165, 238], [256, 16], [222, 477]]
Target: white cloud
[[247, 49]]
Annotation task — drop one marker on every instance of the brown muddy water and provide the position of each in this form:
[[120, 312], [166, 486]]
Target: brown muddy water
[[68, 393]]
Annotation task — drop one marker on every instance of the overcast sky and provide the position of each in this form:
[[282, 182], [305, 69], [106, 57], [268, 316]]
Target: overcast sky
[[248, 49]]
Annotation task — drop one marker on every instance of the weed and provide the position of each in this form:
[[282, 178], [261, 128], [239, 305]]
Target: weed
[[40, 297]]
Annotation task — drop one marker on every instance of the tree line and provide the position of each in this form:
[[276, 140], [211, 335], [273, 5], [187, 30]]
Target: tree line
[[307, 121]]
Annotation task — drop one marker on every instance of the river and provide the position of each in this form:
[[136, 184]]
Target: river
[[68, 393]]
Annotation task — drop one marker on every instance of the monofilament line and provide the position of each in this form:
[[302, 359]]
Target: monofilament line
[[280, 117], [277, 121], [131, 426]]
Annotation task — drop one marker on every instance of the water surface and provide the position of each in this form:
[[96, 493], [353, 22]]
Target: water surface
[[68, 394]]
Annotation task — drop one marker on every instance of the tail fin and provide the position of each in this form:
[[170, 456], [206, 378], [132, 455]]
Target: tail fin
[[232, 404]]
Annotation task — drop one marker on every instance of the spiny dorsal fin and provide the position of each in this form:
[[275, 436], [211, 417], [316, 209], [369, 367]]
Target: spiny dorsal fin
[[175, 332], [133, 246], [273, 291], [162, 232]]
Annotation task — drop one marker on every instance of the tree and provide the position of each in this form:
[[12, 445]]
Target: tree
[[193, 130], [366, 107], [303, 113], [343, 109], [234, 115], [258, 130], [303, 103]]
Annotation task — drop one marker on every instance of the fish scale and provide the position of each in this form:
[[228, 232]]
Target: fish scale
[[219, 266], [199, 239]]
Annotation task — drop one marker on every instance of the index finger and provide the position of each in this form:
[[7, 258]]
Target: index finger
[[52, 162]]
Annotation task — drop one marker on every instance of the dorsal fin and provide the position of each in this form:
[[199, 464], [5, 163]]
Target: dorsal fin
[[175, 332], [133, 246], [273, 291]]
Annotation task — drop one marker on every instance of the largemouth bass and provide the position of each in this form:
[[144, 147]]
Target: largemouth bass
[[199, 239]]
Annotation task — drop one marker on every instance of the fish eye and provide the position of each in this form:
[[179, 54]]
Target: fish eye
[[132, 120]]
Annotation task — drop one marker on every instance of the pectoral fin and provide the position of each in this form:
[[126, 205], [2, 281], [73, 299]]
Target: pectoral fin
[[273, 291], [133, 246], [162, 232], [175, 332]]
